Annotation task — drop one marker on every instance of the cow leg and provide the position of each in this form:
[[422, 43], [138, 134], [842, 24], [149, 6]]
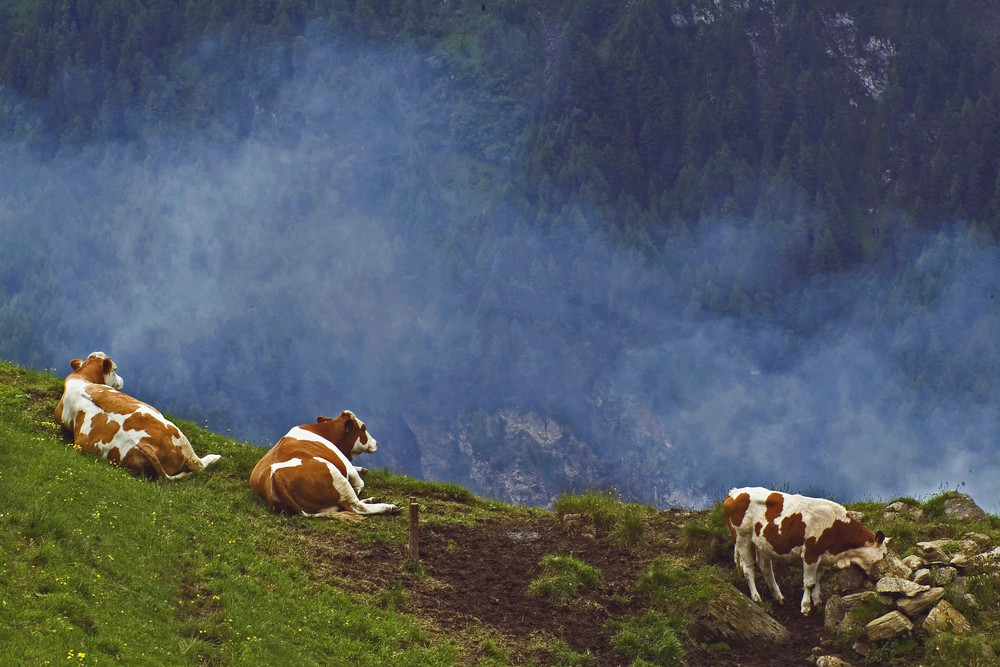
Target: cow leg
[[355, 479], [767, 567], [743, 555], [349, 498], [810, 587], [209, 459]]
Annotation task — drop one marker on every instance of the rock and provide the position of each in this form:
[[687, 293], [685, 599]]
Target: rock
[[961, 507], [913, 562], [932, 551], [982, 541], [941, 530], [732, 618], [899, 586], [993, 555], [891, 566], [920, 602], [834, 612], [922, 576], [849, 579], [897, 507], [837, 614], [862, 647], [889, 626], [831, 661], [945, 618], [945, 575]]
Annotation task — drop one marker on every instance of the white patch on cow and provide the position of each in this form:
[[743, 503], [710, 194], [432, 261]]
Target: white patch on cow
[[290, 463], [353, 476], [364, 448]]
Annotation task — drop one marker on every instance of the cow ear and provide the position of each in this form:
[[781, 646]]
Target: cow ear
[[75, 364], [880, 538], [107, 366]]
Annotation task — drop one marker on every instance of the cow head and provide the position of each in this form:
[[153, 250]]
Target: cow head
[[99, 369], [865, 556], [349, 434]]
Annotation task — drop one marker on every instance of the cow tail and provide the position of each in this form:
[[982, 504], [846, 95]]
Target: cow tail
[[283, 498], [286, 501], [154, 461]]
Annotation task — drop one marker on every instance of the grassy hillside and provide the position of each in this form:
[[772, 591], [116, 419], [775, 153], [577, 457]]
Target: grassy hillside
[[99, 567]]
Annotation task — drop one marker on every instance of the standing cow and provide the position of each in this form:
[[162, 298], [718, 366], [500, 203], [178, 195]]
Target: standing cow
[[119, 428], [310, 470], [786, 526]]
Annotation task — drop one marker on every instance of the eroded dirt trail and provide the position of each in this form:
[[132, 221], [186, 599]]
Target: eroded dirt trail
[[479, 577]]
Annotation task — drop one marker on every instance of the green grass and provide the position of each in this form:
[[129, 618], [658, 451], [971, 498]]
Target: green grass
[[624, 524], [648, 640], [99, 566], [564, 577]]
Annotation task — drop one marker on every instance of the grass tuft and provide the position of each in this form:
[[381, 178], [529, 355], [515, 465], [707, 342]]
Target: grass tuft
[[564, 577]]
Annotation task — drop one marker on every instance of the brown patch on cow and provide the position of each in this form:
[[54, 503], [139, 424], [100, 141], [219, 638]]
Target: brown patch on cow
[[80, 439], [92, 369], [157, 430], [114, 456], [735, 510], [159, 441], [774, 504], [791, 533], [112, 400], [102, 429], [137, 463], [838, 538], [312, 484]]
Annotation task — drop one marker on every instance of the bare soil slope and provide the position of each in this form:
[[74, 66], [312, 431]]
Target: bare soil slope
[[474, 580]]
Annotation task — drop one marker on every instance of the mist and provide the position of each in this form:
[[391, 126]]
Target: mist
[[359, 249]]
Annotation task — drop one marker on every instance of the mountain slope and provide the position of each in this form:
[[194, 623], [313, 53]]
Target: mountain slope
[[102, 567]]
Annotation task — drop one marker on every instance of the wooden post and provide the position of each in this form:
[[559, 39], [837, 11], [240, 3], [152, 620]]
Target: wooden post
[[414, 529]]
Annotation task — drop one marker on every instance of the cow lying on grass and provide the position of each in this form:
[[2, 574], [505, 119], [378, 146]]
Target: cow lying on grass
[[119, 428], [310, 470], [785, 526]]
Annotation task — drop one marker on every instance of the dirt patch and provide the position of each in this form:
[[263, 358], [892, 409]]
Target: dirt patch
[[477, 578]]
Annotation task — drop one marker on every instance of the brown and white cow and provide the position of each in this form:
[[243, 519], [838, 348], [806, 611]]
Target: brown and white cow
[[119, 428], [310, 470], [786, 526]]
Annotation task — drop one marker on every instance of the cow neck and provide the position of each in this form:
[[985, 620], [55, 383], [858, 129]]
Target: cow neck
[[329, 431]]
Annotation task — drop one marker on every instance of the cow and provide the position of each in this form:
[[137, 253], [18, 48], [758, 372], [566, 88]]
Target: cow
[[775, 525], [125, 431], [310, 471]]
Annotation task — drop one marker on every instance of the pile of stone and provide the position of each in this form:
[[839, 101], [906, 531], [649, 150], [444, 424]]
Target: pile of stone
[[917, 588]]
